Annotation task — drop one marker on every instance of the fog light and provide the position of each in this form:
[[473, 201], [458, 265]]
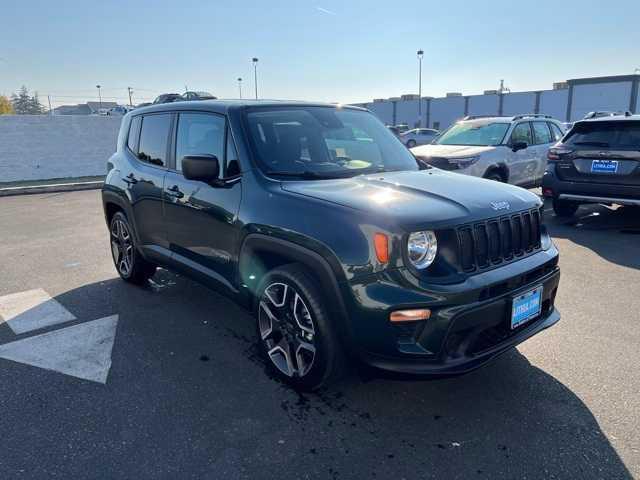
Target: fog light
[[410, 315]]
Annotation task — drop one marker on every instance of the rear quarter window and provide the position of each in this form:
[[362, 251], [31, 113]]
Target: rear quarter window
[[134, 134]]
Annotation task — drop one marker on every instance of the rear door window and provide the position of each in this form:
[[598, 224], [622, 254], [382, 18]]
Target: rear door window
[[154, 137], [622, 135], [541, 133]]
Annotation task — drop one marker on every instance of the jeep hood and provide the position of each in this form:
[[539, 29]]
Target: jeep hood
[[450, 151], [433, 197]]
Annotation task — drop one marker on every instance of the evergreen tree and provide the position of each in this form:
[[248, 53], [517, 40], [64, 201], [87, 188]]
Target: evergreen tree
[[24, 104]]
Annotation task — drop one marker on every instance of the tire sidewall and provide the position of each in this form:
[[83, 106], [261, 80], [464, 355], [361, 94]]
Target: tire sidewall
[[323, 338]]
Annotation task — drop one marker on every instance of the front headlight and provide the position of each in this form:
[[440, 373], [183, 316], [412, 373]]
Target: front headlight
[[464, 162], [422, 248]]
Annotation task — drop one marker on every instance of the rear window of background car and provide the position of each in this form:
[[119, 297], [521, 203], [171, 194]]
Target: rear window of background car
[[154, 136], [614, 134]]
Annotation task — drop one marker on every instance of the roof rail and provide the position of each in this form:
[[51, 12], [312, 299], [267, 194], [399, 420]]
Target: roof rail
[[531, 115], [476, 117]]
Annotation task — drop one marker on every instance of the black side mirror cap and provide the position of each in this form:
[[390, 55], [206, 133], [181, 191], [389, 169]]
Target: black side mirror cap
[[205, 168], [515, 146]]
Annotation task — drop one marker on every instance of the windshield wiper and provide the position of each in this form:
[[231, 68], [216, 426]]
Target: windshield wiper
[[306, 174], [593, 144]]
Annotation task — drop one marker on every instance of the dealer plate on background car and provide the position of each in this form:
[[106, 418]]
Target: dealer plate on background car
[[526, 307], [604, 166]]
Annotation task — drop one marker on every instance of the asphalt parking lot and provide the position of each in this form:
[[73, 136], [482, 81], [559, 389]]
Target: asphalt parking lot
[[164, 381]]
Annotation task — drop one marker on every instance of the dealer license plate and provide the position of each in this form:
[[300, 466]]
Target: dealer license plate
[[526, 307]]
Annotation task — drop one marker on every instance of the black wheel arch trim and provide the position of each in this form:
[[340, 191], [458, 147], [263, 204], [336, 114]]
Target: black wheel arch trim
[[113, 197], [326, 270]]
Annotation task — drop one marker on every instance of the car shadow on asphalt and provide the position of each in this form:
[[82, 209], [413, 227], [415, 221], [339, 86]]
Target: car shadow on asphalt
[[188, 393], [611, 232]]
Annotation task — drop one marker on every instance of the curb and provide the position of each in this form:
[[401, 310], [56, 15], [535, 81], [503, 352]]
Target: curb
[[50, 188]]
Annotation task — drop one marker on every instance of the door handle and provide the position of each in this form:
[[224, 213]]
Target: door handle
[[130, 179], [175, 192]]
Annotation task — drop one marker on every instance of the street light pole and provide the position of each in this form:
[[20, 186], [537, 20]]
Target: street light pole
[[99, 97], [130, 91], [255, 74], [420, 54], [240, 86]]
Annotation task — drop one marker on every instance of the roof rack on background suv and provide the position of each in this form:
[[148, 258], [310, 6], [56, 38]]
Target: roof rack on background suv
[[599, 114], [531, 115], [476, 117]]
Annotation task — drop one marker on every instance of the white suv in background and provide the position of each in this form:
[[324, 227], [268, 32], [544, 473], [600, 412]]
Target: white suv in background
[[506, 149]]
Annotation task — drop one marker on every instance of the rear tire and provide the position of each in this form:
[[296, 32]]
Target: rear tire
[[563, 208], [131, 266], [411, 143], [295, 333]]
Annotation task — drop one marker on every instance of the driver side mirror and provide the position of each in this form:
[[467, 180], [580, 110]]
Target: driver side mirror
[[515, 146], [204, 168]]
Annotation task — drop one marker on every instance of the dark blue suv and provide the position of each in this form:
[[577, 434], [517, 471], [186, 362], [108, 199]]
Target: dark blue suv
[[343, 245]]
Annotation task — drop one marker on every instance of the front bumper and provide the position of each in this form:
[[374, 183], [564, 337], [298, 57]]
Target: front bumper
[[469, 325], [585, 192]]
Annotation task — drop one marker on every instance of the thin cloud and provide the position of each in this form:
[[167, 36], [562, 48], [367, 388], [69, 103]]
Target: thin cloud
[[324, 10]]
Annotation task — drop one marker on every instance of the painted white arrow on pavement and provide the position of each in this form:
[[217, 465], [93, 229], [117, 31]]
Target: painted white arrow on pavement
[[82, 350]]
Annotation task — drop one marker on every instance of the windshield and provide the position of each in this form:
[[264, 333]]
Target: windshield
[[616, 134], [324, 142], [474, 133]]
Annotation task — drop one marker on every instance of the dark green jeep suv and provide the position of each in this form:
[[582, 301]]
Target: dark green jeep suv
[[342, 244]]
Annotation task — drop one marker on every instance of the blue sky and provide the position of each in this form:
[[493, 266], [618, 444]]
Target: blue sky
[[326, 50]]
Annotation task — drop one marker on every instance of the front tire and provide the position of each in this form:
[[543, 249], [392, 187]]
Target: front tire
[[563, 208], [131, 266], [411, 143], [295, 333]]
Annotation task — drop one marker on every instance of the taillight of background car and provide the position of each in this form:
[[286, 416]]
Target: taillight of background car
[[555, 154]]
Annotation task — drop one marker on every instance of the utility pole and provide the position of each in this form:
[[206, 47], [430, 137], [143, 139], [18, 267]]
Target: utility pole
[[255, 74], [130, 90], [49, 99], [420, 53], [240, 86], [99, 97]]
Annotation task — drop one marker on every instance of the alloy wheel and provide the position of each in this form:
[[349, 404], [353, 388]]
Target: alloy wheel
[[286, 329], [122, 247]]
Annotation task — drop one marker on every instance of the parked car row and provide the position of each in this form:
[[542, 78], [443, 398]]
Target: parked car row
[[187, 96], [594, 160]]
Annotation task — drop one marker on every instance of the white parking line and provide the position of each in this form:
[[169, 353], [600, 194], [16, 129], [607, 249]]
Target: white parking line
[[82, 351], [32, 310]]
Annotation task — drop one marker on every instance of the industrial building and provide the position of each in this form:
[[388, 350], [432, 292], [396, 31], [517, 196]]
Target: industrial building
[[566, 101]]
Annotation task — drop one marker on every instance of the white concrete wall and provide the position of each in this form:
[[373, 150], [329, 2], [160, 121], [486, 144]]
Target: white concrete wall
[[445, 111], [407, 112], [554, 103], [599, 96], [383, 110], [483, 105], [518, 103], [40, 147]]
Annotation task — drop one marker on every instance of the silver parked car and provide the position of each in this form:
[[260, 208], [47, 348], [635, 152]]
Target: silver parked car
[[418, 136], [506, 149]]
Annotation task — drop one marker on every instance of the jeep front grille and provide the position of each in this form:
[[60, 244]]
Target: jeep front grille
[[499, 240]]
